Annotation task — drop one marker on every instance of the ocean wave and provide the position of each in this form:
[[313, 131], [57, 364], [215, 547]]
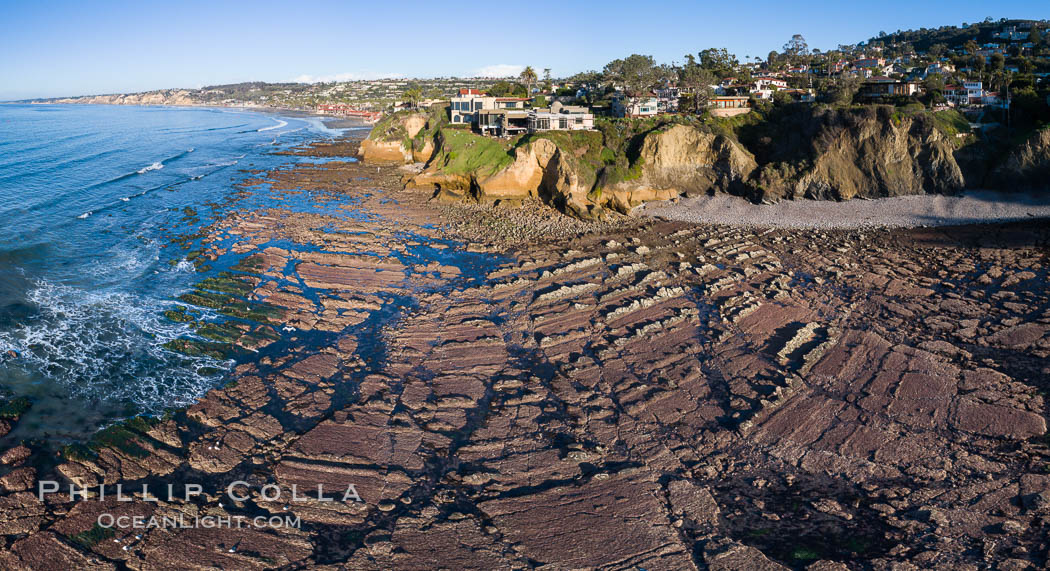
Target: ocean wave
[[279, 124], [84, 215], [109, 346], [154, 167]]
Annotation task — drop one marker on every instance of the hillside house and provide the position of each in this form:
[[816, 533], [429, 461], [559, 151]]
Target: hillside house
[[974, 91], [878, 87], [729, 105], [667, 99], [866, 63], [801, 95], [560, 118], [767, 82], [463, 108], [623, 106], [502, 122], [956, 95]]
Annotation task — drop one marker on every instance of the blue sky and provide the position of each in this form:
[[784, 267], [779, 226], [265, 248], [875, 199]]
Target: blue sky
[[61, 47]]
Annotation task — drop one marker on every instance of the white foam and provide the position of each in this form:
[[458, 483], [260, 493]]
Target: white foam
[[84, 215], [154, 167], [109, 346], [185, 265], [124, 199], [279, 124]]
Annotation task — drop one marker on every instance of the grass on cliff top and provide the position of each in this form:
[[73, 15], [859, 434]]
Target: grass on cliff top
[[951, 122], [465, 153], [390, 128]]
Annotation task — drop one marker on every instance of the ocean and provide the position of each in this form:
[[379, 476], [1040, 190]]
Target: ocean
[[91, 198]]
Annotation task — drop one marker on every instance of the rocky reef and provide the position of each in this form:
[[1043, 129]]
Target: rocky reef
[[659, 395]]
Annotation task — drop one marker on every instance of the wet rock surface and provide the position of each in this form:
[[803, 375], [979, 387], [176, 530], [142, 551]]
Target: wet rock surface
[[629, 394]]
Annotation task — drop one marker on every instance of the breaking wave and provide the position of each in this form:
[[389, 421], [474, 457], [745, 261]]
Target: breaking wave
[[109, 346], [154, 167], [279, 124]]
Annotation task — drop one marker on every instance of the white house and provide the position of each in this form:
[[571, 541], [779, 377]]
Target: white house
[[623, 106], [561, 118], [974, 91], [765, 82]]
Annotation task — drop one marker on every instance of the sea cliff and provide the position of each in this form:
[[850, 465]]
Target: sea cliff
[[816, 152]]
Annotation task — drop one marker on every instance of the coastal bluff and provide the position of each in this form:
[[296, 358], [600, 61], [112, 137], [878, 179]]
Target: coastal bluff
[[819, 152]]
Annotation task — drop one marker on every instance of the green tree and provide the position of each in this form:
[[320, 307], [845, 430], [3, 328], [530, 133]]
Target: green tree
[[718, 61], [528, 76], [998, 63], [636, 74], [413, 95], [934, 86], [839, 91], [796, 49], [1035, 36], [539, 101], [696, 81], [500, 89], [782, 98]]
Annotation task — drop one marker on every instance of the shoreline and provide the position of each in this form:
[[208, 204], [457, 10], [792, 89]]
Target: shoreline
[[913, 211], [446, 358]]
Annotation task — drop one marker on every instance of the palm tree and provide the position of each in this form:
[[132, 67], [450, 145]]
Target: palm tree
[[528, 75]]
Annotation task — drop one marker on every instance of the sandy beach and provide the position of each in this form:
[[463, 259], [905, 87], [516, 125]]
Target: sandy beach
[[972, 207]]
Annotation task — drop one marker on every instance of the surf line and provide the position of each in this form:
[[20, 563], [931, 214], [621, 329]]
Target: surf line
[[279, 124]]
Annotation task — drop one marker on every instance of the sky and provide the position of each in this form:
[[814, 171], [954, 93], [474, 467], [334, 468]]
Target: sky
[[64, 48]]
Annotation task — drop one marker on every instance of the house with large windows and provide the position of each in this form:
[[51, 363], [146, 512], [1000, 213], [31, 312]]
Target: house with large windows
[[561, 117], [464, 107], [502, 122]]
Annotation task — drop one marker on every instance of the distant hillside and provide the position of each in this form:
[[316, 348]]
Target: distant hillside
[[953, 37]]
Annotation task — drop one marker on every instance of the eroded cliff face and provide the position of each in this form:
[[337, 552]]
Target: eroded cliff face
[[677, 160], [1027, 167], [682, 160], [393, 140], [821, 154], [872, 154], [162, 97]]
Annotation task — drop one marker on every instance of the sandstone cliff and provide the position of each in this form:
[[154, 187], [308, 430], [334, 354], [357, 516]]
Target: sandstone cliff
[[682, 160], [405, 137], [162, 97], [869, 153], [801, 152], [1027, 167], [573, 171]]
